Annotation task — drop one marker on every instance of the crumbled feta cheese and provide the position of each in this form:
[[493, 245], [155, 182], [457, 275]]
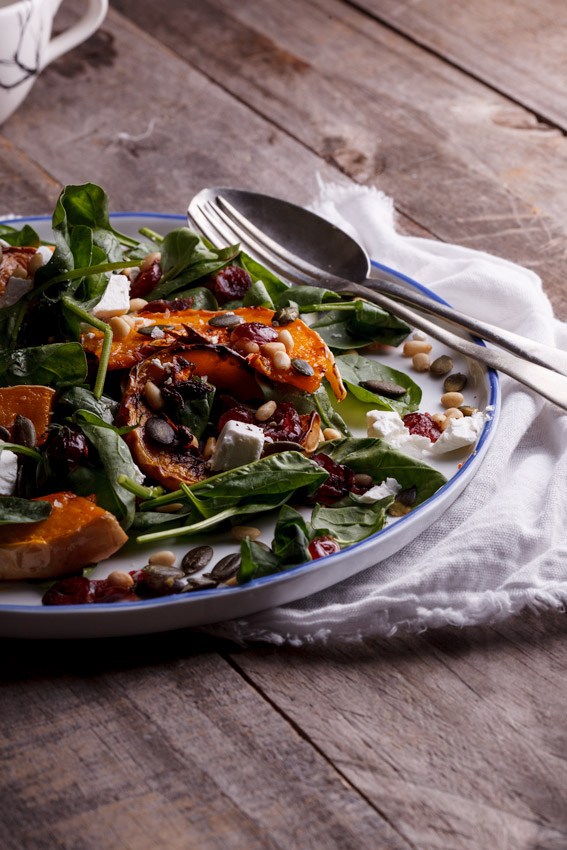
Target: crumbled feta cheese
[[460, 433], [91, 335], [116, 298], [8, 473], [388, 425], [45, 252], [389, 487], [15, 289], [139, 476], [4, 244], [238, 443], [418, 335]]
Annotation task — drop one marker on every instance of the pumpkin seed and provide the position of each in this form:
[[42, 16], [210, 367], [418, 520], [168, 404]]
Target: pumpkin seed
[[225, 320], [302, 366], [24, 432], [398, 509], [282, 446], [285, 316], [455, 383], [467, 410], [4, 434], [161, 580], [195, 559], [441, 366], [407, 497], [155, 331], [159, 431], [199, 583], [385, 388], [226, 567]]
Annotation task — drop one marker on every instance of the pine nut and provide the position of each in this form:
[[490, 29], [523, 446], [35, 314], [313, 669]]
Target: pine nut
[[445, 424], [120, 327], [281, 361], [241, 532], [452, 399], [398, 509], [19, 271], [270, 348], [331, 434], [454, 413], [421, 362], [137, 304], [166, 558], [439, 418], [34, 264], [287, 340], [153, 396], [170, 509], [120, 579], [418, 335], [149, 260], [265, 411], [231, 582], [363, 480], [416, 346], [210, 446], [247, 346], [195, 442]]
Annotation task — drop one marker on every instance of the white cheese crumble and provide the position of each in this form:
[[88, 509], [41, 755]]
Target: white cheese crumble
[[4, 244], [389, 426], [45, 252], [460, 433], [389, 487], [8, 473], [239, 443], [15, 289], [116, 298]]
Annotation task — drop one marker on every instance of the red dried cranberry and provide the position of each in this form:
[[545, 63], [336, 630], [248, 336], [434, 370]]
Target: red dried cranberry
[[64, 449], [146, 281], [76, 590], [238, 414], [254, 332], [105, 592], [324, 545], [422, 423], [162, 306], [231, 282], [283, 424], [339, 483]]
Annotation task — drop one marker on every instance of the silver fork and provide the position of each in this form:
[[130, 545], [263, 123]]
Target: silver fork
[[221, 223]]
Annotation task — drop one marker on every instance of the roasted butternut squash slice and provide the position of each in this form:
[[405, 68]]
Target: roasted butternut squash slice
[[34, 402], [12, 258], [308, 345], [76, 533]]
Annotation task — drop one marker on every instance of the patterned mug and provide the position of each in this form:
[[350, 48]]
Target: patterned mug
[[26, 46]]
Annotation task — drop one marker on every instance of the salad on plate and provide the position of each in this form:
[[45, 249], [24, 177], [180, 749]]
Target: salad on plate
[[158, 388]]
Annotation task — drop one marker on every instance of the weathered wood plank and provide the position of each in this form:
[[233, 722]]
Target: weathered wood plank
[[24, 186], [460, 160], [457, 736], [517, 46], [101, 749]]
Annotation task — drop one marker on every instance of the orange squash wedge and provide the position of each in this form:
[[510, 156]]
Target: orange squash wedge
[[12, 258], [76, 533], [33, 402]]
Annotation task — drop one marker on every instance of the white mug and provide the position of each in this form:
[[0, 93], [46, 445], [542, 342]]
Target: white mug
[[26, 46]]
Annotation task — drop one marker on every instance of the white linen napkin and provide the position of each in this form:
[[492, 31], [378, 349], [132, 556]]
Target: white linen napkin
[[501, 546]]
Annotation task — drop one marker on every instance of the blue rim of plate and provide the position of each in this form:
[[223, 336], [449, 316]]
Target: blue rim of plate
[[90, 610]]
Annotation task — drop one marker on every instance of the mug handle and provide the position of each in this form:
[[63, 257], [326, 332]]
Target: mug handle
[[79, 32]]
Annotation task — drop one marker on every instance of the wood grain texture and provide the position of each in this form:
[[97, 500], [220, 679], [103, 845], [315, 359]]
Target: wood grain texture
[[157, 742], [460, 160], [24, 186], [518, 46], [457, 736]]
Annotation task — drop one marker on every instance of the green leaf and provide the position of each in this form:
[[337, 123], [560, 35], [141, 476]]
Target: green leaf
[[25, 237], [272, 284], [13, 509], [255, 562], [81, 398], [57, 365], [258, 296], [202, 298], [348, 522], [198, 398], [306, 295], [356, 369], [305, 402], [377, 458], [291, 538]]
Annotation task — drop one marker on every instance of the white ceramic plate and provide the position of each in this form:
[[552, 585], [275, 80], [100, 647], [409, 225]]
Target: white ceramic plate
[[21, 611]]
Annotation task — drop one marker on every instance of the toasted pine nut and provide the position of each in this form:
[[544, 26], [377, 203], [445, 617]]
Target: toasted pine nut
[[421, 362], [445, 424], [166, 558], [398, 509], [195, 442], [247, 346], [454, 413], [351, 351], [439, 418], [137, 304], [120, 579], [210, 446], [452, 399], [120, 328], [270, 348], [363, 480], [231, 582], [241, 532], [20, 271], [153, 396], [265, 411], [416, 346], [34, 264], [170, 509], [331, 434], [287, 340], [149, 260], [281, 361]]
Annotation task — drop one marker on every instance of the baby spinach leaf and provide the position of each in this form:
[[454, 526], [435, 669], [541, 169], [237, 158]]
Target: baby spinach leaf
[[201, 297], [25, 237], [356, 369], [291, 538], [178, 251], [258, 296], [272, 284], [198, 398], [348, 522], [306, 295], [56, 365], [81, 398], [255, 562], [377, 458], [13, 509]]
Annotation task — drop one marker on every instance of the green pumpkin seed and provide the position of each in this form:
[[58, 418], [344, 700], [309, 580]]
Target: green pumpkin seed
[[285, 316], [441, 366], [407, 497], [196, 559], [24, 432], [388, 389], [225, 320], [455, 383], [302, 367], [226, 568]]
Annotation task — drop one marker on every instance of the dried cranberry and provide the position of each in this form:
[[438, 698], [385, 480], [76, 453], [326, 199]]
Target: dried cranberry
[[238, 414], [162, 306], [105, 592], [231, 282], [65, 448], [146, 281], [254, 332], [422, 423], [339, 483], [284, 423], [324, 545], [76, 590]]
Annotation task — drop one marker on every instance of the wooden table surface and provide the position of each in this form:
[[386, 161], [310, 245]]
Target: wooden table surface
[[450, 740]]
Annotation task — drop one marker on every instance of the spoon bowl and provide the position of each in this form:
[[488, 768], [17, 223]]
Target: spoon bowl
[[304, 233]]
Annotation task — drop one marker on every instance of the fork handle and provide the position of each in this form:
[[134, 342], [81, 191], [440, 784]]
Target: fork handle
[[544, 355], [549, 384]]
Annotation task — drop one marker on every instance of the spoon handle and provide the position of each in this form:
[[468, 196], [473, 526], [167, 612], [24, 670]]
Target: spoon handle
[[549, 384]]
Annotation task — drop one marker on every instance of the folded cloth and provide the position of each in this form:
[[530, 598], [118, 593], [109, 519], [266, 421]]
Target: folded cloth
[[501, 545]]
